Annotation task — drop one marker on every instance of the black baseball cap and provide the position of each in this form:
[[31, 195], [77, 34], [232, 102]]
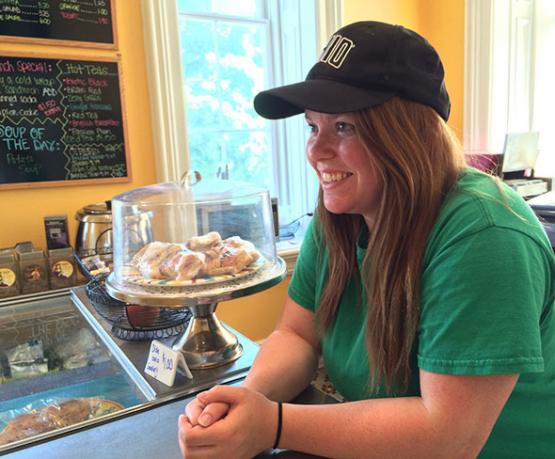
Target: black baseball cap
[[363, 65]]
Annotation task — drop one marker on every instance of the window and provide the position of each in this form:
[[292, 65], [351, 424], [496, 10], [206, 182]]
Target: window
[[509, 74], [207, 60], [224, 53]]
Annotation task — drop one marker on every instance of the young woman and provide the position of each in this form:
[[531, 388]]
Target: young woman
[[426, 286]]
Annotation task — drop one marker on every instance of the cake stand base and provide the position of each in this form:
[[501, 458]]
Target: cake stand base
[[206, 343]]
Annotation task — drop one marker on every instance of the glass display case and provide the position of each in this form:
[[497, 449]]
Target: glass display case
[[64, 370], [69, 385], [54, 372]]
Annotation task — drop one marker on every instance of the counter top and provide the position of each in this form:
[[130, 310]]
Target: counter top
[[143, 435]]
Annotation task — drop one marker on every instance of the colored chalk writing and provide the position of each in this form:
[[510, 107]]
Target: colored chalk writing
[[74, 20], [60, 120]]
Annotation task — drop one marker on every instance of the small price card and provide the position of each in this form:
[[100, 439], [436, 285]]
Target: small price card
[[163, 362]]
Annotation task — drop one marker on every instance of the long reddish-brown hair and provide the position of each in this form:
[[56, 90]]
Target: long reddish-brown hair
[[417, 160]]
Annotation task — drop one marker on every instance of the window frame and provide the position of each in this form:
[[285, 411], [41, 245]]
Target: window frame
[[500, 73], [165, 79]]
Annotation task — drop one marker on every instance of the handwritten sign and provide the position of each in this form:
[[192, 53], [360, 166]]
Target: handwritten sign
[[60, 121], [87, 21], [163, 362]]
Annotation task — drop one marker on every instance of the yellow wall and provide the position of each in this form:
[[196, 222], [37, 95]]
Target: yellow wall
[[441, 22], [255, 315], [404, 12], [22, 211]]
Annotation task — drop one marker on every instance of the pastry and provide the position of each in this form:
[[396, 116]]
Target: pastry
[[237, 242], [155, 255], [55, 416], [200, 256], [200, 243], [189, 264], [236, 259]]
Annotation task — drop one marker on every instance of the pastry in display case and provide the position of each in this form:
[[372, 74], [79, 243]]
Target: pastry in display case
[[211, 233], [207, 258], [54, 416], [192, 244], [54, 373]]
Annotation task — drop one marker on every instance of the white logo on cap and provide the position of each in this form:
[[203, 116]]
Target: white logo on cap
[[337, 50]]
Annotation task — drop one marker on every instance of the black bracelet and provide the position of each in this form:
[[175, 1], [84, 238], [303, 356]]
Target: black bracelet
[[279, 422]]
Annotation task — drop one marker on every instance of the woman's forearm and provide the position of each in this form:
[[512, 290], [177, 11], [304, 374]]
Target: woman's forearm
[[284, 366], [452, 418], [383, 428]]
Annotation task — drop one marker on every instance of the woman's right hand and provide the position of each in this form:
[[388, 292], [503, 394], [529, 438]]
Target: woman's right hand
[[205, 415]]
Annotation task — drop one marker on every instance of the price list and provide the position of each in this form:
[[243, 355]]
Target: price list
[[76, 20], [60, 120]]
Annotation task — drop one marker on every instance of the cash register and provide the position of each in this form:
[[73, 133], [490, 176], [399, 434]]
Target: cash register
[[515, 166]]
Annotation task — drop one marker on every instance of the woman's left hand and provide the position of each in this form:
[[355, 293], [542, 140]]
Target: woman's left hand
[[248, 428]]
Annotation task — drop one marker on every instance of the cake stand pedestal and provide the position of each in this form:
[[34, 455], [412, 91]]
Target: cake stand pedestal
[[206, 342]]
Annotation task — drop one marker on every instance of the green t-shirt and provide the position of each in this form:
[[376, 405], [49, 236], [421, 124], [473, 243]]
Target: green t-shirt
[[487, 293]]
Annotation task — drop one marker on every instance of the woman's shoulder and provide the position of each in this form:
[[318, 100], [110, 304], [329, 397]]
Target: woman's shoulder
[[479, 201]]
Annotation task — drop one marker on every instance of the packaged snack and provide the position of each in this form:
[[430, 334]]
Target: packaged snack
[[62, 270], [54, 416], [27, 360], [9, 275], [32, 267]]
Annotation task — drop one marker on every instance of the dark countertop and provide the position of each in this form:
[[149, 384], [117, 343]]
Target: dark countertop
[[144, 435]]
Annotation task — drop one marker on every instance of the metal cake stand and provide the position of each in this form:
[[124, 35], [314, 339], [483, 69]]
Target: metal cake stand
[[206, 343]]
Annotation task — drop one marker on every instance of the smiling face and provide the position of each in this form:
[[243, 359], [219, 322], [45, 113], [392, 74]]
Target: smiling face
[[348, 181]]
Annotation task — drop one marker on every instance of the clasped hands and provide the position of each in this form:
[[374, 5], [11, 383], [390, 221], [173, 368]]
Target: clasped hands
[[227, 422]]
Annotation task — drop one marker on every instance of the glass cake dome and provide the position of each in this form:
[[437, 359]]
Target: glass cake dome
[[193, 244], [173, 240]]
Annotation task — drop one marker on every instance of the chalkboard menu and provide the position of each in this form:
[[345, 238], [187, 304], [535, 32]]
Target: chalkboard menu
[[61, 122], [87, 22]]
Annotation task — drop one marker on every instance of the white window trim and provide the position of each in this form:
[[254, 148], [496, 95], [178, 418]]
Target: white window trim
[[477, 73], [330, 18], [166, 89], [167, 100], [499, 66]]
